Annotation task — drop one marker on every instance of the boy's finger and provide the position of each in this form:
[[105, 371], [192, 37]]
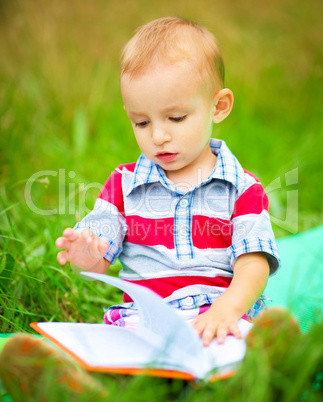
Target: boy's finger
[[221, 334], [234, 329], [197, 325], [71, 234], [62, 257], [208, 335], [61, 242]]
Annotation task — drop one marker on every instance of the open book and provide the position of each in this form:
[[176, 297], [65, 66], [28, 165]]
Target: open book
[[164, 344]]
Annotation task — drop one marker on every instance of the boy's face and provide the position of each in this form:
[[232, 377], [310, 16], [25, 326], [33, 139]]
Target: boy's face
[[172, 113]]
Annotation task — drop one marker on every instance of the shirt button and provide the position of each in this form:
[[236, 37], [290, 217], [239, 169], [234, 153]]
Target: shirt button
[[189, 301], [183, 232], [183, 203]]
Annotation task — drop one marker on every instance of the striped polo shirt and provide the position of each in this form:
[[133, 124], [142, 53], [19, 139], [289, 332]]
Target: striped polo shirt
[[179, 243]]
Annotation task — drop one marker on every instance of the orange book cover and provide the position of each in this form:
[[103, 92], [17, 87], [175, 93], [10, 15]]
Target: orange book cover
[[164, 344]]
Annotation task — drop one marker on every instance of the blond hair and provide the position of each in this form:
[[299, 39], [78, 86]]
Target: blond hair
[[170, 40]]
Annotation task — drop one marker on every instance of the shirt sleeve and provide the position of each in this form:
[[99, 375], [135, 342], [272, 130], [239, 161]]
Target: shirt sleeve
[[252, 231], [107, 220]]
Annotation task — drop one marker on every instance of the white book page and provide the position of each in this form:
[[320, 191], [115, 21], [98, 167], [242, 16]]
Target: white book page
[[101, 345], [160, 326]]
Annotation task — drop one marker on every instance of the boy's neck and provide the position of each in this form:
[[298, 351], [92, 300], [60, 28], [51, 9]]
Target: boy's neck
[[188, 178]]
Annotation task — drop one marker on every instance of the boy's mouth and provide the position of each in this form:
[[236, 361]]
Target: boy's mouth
[[166, 156]]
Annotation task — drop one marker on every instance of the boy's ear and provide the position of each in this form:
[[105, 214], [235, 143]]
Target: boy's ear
[[223, 102]]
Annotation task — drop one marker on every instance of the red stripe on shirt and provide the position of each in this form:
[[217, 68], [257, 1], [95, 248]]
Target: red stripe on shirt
[[164, 287], [211, 232], [112, 189], [206, 232], [253, 201], [150, 232]]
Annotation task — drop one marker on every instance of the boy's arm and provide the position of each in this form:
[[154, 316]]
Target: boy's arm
[[249, 280], [84, 250]]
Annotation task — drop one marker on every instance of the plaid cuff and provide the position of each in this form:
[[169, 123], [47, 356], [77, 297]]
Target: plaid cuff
[[256, 245], [113, 252]]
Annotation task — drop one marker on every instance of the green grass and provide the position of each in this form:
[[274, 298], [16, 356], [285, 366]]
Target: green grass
[[61, 113]]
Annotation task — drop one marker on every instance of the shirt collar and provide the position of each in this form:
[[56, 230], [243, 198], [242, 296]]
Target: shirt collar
[[227, 168]]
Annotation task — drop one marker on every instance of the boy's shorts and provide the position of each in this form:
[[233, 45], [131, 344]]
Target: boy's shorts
[[126, 314]]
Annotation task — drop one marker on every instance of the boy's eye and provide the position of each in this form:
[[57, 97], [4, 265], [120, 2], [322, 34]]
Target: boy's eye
[[142, 123], [177, 119]]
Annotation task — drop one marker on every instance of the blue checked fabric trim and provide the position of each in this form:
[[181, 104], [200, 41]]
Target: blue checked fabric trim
[[256, 245], [255, 311], [194, 302], [183, 227], [113, 252]]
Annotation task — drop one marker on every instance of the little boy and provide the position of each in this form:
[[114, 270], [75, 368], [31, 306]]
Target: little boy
[[185, 220]]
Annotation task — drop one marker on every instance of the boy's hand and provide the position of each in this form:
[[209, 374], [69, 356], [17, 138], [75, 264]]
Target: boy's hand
[[251, 272], [83, 249], [218, 321]]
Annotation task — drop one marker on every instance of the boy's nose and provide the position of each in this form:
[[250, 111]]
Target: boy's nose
[[160, 136]]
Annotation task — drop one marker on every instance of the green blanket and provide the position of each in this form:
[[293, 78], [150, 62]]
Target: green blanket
[[298, 285]]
